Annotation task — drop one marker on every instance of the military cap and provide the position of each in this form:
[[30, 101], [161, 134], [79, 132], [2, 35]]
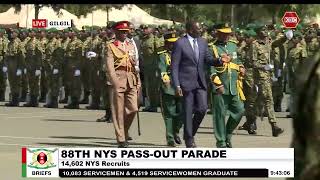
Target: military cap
[[15, 30], [223, 27], [297, 34], [52, 30], [42, 30], [121, 26], [23, 30], [144, 26], [2, 31], [170, 37], [250, 33]]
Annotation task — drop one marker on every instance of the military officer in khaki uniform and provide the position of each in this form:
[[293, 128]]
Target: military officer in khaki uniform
[[120, 63]]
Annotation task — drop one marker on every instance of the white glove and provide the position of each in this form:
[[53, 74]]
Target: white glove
[[4, 69], [268, 67], [77, 73], [91, 54], [279, 73], [38, 72], [289, 34], [137, 68], [19, 72], [274, 79], [55, 71], [98, 72], [25, 70], [257, 88]]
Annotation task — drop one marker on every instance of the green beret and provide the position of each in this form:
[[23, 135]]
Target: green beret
[[250, 33], [2, 31], [297, 34], [15, 30], [299, 27], [66, 30]]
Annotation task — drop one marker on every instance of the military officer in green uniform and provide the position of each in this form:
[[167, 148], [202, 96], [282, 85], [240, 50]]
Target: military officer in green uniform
[[171, 105], [86, 67], [227, 87], [66, 75], [13, 60], [3, 69], [150, 69], [43, 41], [24, 37], [53, 59], [33, 65], [73, 54], [260, 50]]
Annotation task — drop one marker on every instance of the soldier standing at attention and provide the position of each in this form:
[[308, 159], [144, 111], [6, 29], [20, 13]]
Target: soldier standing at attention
[[120, 62], [227, 90], [13, 60], [54, 58], [43, 81], [150, 69], [73, 54], [3, 69], [24, 37], [33, 64], [171, 105], [66, 75]]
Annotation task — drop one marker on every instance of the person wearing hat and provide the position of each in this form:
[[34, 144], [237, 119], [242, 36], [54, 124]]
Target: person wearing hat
[[13, 60], [53, 63], [260, 53], [66, 75], [297, 55], [124, 80], [3, 68], [150, 66], [171, 105], [227, 92], [249, 85], [73, 55], [24, 37], [94, 47], [43, 41], [33, 60]]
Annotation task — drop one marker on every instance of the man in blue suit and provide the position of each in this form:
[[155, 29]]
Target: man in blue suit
[[190, 55]]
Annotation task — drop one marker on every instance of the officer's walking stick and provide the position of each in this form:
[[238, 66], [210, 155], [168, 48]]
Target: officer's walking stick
[[138, 117]]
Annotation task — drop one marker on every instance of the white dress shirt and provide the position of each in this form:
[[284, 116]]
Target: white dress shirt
[[191, 40]]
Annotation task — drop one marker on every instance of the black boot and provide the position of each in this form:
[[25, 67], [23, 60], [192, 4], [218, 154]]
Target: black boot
[[74, 104], [2, 95], [53, 103], [43, 96], [277, 106], [33, 102], [14, 101], [23, 97], [95, 105], [276, 131], [85, 99], [107, 117], [66, 96]]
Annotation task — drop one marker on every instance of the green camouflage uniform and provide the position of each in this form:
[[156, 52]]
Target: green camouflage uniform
[[43, 81], [313, 47], [66, 74], [150, 70], [24, 78], [54, 60], [13, 60], [278, 57], [3, 78], [33, 63], [73, 54], [171, 105], [86, 70]]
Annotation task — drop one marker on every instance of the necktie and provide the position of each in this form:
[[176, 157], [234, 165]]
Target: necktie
[[196, 49]]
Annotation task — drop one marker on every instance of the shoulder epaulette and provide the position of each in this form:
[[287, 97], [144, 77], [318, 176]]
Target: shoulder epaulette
[[161, 52], [234, 41]]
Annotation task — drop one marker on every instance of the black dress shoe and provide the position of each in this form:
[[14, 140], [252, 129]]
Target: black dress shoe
[[171, 144], [229, 145], [276, 131], [129, 138], [194, 145], [123, 145], [177, 139]]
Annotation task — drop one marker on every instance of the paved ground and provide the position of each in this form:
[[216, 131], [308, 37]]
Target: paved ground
[[37, 127]]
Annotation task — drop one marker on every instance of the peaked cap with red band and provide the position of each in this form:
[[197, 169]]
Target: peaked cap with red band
[[121, 26]]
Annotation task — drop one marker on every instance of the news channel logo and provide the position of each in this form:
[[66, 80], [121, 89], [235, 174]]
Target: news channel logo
[[40, 162], [45, 23]]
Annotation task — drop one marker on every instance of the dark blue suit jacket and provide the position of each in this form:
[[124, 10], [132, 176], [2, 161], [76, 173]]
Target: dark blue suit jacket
[[187, 72]]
